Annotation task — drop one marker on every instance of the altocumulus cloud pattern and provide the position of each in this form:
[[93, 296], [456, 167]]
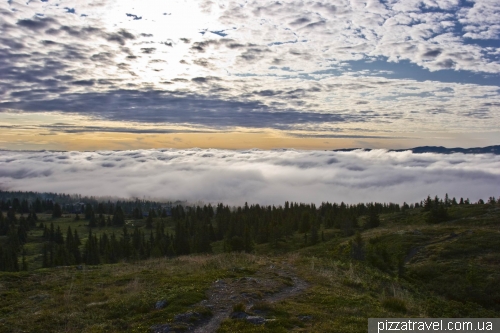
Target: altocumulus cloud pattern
[[254, 176]]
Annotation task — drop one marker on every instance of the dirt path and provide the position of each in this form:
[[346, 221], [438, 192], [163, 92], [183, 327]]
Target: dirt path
[[271, 285]]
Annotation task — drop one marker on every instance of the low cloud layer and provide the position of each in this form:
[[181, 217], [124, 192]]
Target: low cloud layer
[[254, 176]]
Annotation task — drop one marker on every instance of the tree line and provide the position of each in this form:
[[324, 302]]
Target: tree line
[[196, 228]]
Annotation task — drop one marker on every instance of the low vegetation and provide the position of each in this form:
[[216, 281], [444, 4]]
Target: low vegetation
[[110, 267]]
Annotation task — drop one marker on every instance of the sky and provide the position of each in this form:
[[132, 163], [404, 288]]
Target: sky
[[310, 75]]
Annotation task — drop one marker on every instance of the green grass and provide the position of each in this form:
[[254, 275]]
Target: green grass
[[453, 272], [110, 297]]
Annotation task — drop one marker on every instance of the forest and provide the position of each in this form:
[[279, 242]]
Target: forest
[[137, 229], [88, 264]]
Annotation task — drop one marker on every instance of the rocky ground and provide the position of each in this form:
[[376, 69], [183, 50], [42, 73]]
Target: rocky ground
[[235, 299]]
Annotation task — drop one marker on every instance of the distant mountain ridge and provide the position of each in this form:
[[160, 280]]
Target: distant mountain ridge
[[442, 150]]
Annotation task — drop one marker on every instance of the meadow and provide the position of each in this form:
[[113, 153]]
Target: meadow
[[405, 267]]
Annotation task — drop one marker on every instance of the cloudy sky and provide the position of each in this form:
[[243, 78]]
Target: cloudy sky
[[255, 176], [117, 74]]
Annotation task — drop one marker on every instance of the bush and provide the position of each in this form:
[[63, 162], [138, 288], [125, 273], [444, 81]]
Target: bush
[[239, 307], [394, 304]]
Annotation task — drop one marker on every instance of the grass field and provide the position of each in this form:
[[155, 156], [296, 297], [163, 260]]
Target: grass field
[[410, 269]]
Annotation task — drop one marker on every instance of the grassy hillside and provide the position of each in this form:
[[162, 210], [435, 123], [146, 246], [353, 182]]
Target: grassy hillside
[[403, 268]]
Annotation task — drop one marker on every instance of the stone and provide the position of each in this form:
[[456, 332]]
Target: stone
[[161, 304], [239, 315], [256, 320], [39, 297], [160, 328], [187, 317]]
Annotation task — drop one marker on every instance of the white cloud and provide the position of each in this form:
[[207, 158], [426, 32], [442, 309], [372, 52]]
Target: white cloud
[[270, 51], [255, 176]]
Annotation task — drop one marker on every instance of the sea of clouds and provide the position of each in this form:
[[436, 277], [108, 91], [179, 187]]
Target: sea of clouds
[[254, 176]]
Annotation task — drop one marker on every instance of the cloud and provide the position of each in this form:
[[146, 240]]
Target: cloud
[[254, 176], [162, 107], [253, 64]]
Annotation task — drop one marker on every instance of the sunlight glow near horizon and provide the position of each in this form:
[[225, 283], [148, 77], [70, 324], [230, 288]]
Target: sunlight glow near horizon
[[301, 75]]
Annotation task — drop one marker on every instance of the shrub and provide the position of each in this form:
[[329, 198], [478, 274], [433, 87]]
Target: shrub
[[394, 304]]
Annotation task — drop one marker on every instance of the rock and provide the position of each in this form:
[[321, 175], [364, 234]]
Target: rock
[[305, 318], [160, 304], [256, 320], [249, 279], [187, 317], [39, 297], [160, 328], [97, 303], [239, 315]]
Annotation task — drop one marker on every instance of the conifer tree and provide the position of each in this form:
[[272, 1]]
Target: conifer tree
[[314, 234], [305, 224], [149, 222], [57, 212], [373, 218], [181, 244], [357, 247], [101, 221], [45, 256], [72, 246], [52, 232], [91, 251], [92, 220], [126, 249], [89, 211], [58, 237], [118, 217]]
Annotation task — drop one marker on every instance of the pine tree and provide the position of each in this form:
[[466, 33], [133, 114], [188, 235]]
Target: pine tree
[[51, 232], [92, 220], [347, 227], [126, 249], [118, 217], [149, 222], [314, 234], [305, 224], [181, 244], [72, 246], [428, 204], [91, 250], [57, 212], [89, 211], [101, 221], [58, 237], [357, 247], [373, 218]]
